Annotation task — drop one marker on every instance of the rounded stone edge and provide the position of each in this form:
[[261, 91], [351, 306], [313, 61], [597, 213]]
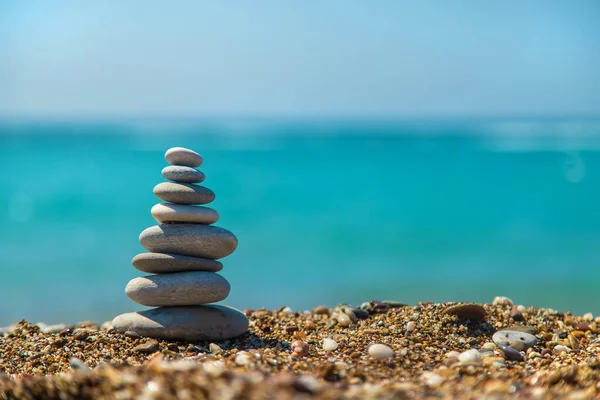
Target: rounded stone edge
[[195, 176], [210, 195], [177, 259], [146, 239], [211, 212], [147, 282], [236, 318], [192, 158]]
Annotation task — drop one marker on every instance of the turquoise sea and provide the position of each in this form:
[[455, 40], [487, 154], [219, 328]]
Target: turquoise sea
[[326, 211]]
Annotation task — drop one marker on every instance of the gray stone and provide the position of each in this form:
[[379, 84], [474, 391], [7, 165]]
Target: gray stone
[[507, 337], [160, 263], [192, 323], [183, 156], [204, 241], [183, 193], [179, 173], [510, 353], [178, 289], [169, 212]]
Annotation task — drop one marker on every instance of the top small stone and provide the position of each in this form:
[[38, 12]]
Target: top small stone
[[183, 156]]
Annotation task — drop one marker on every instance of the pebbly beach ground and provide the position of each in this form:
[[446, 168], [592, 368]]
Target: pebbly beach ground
[[423, 351]]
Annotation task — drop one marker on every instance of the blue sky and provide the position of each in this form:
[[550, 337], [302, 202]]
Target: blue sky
[[299, 58]]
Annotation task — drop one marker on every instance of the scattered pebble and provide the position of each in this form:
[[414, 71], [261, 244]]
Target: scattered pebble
[[151, 346], [132, 334], [57, 328], [380, 351], [431, 379], [287, 310], [329, 344], [470, 356], [394, 303], [509, 338], [516, 314], [76, 363], [511, 353], [299, 348], [242, 358], [489, 346], [106, 325], [411, 326], [360, 313], [502, 301], [348, 311], [80, 334], [467, 311], [214, 348], [321, 310], [344, 320], [561, 349]]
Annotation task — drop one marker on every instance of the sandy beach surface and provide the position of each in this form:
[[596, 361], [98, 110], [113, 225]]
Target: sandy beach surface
[[429, 351]]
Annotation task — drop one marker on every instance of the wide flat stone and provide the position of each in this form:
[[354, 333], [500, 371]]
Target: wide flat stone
[[205, 241], [171, 212], [183, 193], [183, 156], [179, 173], [191, 323], [178, 289], [160, 263], [509, 338]]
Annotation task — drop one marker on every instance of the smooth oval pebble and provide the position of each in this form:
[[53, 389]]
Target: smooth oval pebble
[[381, 351], [178, 289], [329, 344], [205, 241], [179, 173], [467, 311], [183, 193], [510, 353], [189, 323], [170, 212], [160, 263], [507, 338], [470, 356], [183, 156]]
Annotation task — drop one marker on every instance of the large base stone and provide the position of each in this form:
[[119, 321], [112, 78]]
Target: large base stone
[[190, 323]]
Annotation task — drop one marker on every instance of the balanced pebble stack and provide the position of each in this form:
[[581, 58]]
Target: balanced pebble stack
[[183, 253]]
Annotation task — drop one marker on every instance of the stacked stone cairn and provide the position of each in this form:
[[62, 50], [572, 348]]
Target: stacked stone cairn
[[183, 253]]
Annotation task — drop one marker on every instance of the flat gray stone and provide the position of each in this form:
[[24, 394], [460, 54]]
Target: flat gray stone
[[179, 173], [183, 156], [204, 241], [171, 212], [508, 337], [178, 289], [192, 323], [160, 263], [183, 193]]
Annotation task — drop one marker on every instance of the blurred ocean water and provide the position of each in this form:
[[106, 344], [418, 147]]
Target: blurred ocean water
[[325, 211]]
